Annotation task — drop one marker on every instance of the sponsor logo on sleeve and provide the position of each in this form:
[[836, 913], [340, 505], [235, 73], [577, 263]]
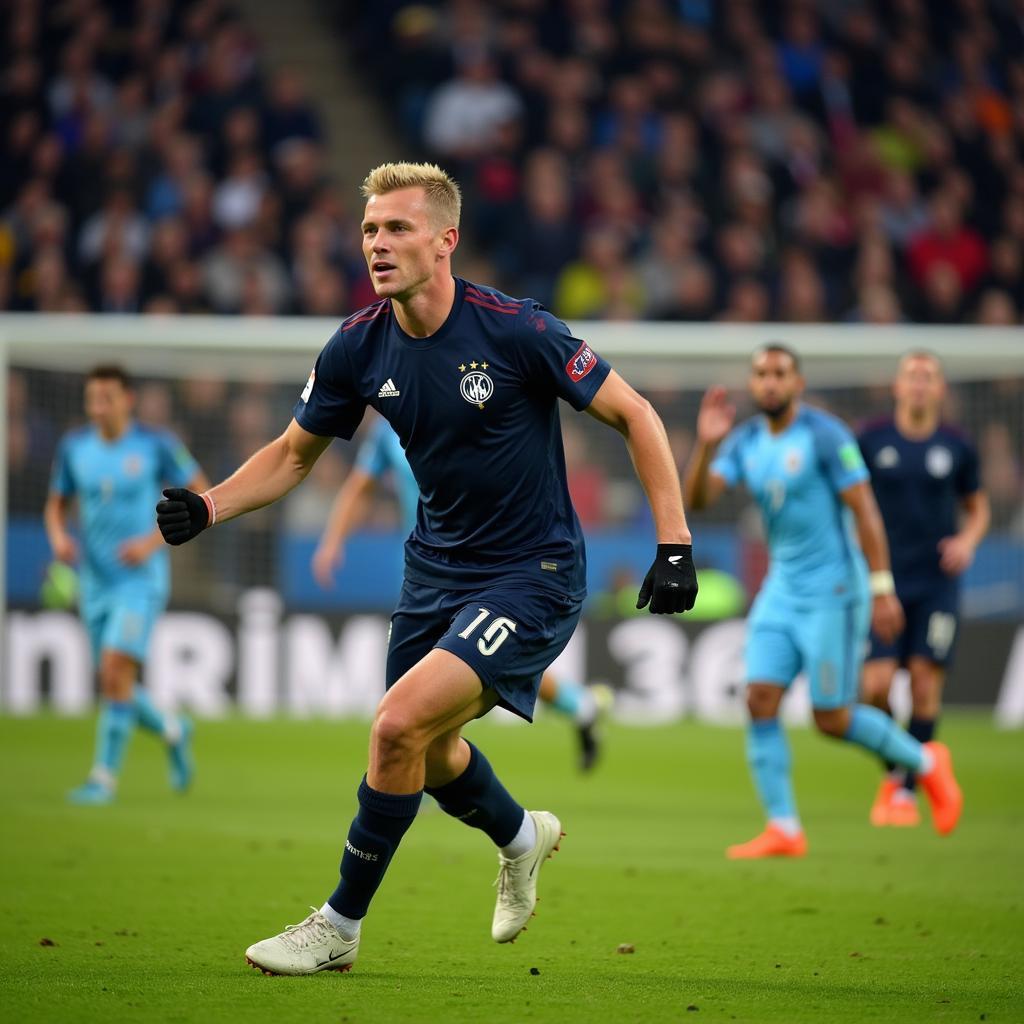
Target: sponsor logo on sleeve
[[850, 457], [582, 363], [308, 389]]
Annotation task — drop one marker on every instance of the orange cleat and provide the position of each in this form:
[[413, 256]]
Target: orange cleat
[[942, 790], [902, 811], [772, 842], [883, 800]]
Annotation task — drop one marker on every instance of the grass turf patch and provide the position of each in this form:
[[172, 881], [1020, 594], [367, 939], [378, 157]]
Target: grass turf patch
[[150, 903]]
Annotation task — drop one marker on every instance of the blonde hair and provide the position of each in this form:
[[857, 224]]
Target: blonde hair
[[442, 191]]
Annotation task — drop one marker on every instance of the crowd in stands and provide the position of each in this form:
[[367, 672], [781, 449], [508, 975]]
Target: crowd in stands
[[809, 160], [152, 165]]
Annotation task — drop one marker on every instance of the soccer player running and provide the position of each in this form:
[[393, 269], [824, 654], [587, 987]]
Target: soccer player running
[[924, 474], [380, 456], [469, 379], [806, 473], [115, 468]]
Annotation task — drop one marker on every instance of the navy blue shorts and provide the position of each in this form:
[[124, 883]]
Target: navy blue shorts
[[930, 631], [508, 633]]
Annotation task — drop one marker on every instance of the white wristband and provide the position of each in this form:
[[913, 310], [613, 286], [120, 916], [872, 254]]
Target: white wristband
[[881, 583], [211, 507]]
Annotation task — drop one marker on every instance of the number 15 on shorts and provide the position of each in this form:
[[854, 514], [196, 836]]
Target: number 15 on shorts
[[494, 634]]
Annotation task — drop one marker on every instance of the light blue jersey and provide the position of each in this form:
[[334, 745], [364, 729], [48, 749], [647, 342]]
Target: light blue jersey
[[796, 477], [812, 612], [381, 453], [117, 484]]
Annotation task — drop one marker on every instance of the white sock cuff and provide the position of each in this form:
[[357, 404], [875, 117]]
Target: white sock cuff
[[348, 927], [524, 840]]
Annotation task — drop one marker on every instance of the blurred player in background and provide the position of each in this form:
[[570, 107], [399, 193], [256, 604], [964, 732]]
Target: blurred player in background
[[115, 468], [924, 474], [495, 570], [380, 456], [805, 471]]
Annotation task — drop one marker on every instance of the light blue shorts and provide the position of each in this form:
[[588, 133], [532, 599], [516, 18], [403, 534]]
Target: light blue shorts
[[828, 643], [121, 622]]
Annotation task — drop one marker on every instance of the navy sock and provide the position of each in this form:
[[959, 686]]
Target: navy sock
[[478, 798], [922, 729], [373, 837]]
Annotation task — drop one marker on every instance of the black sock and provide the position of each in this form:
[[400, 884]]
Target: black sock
[[373, 837], [478, 798], [922, 729]]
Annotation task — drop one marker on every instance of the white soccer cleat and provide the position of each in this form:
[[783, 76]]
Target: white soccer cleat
[[517, 879], [314, 945]]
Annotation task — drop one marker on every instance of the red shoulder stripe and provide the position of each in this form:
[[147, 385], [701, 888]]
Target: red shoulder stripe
[[369, 314], [477, 293], [490, 305]]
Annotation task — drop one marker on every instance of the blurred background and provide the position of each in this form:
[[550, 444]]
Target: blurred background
[[678, 178]]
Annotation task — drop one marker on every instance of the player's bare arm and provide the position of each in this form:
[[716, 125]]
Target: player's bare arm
[[701, 487], [670, 584], [886, 611], [957, 552], [349, 508], [618, 405], [264, 478], [55, 519]]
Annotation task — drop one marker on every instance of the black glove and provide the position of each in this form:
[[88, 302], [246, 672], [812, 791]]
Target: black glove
[[671, 582], [181, 515]]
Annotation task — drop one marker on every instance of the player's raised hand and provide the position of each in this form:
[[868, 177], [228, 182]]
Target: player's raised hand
[[671, 582], [181, 515], [887, 619], [716, 416], [326, 560]]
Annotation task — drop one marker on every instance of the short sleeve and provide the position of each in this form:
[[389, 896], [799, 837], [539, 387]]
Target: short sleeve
[[330, 405], [968, 477], [61, 480], [177, 466], [557, 360], [838, 453], [728, 462], [372, 457]]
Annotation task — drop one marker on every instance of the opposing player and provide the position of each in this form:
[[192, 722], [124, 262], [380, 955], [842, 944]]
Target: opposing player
[[806, 473], [380, 456], [114, 469], [924, 475], [494, 579]]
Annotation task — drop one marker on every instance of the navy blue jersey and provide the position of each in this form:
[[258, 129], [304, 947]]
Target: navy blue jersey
[[475, 408], [919, 485]]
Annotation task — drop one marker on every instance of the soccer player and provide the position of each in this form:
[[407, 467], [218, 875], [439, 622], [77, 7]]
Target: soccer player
[[381, 455], [806, 473], [115, 468], [924, 475], [469, 379]]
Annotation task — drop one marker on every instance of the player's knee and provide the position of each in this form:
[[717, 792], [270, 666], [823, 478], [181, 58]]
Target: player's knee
[[833, 722], [761, 702], [395, 734]]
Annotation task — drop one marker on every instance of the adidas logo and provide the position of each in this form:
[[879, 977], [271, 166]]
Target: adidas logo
[[388, 390]]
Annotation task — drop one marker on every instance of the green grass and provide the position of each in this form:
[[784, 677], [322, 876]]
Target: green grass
[[151, 902]]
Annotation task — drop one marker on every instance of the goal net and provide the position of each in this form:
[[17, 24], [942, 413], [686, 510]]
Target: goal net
[[227, 386]]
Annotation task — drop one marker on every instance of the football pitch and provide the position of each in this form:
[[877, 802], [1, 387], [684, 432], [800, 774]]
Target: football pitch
[[142, 911]]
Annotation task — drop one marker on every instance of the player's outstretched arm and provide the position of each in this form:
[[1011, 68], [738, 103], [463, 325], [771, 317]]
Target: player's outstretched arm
[[886, 612], [348, 510], [268, 475], [671, 583], [702, 487]]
